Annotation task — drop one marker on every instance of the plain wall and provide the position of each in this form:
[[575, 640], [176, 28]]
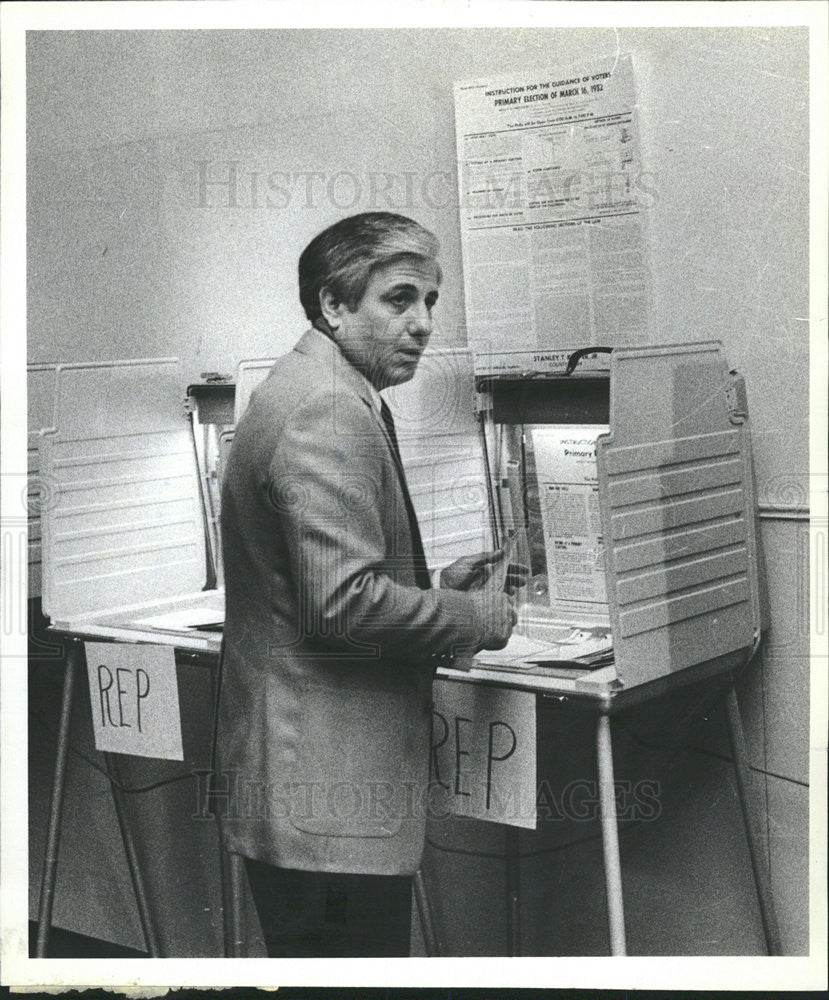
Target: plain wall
[[132, 254]]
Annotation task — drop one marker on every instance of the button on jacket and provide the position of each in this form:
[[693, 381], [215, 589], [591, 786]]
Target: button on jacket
[[330, 644]]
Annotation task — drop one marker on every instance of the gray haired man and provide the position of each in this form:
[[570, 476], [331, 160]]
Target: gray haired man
[[333, 628]]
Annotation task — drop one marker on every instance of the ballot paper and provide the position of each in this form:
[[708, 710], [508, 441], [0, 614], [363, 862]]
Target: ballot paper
[[489, 588], [498, 571], [568, 494], [182, 618], [579, 646], [519, 651]]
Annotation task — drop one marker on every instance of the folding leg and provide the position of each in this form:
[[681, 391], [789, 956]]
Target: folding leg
[[141, 898], [610, 838], [424, 912], [227, 902], [513, 892], [50, 860], [762, 882], [238, 931]]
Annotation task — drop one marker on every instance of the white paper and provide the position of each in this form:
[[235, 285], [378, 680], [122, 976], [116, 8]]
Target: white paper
[[551, 191], [568, 493], [133, 692], [499, 571], [186, 618], [522, 652], [519, 652], [483, 757]]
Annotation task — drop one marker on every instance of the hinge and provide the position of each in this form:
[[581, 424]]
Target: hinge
[[736, 398], [483, 402]]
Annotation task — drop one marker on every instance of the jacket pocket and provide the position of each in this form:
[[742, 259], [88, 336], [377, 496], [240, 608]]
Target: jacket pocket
[[362, 756]]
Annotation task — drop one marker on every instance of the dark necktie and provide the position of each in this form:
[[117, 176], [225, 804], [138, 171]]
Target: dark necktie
[[421, 571]]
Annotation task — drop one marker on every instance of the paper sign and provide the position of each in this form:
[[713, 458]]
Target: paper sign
[[568, 493], [134, 698], [552, 194], [482, 761]]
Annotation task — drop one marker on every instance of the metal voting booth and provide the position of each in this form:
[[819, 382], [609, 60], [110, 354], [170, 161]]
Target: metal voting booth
[[124, 560], [640, 540]]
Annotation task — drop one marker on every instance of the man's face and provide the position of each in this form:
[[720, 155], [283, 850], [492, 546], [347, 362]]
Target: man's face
[[386, 334]]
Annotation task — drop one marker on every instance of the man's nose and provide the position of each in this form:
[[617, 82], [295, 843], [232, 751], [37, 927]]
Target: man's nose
[[420, 320]]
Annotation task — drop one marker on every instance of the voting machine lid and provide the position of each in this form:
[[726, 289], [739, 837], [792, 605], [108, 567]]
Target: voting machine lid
[[675, 496], [40, 380], [677, 506], [124, 524]]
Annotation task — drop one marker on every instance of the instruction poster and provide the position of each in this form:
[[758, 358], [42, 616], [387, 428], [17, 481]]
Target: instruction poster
[[568, 491], [552, 193]]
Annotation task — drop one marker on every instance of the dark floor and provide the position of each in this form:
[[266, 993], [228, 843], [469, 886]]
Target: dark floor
[[66, 944]]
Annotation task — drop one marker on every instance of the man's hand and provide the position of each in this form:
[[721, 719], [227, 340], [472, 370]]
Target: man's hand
[[499, 617], [472, 572]]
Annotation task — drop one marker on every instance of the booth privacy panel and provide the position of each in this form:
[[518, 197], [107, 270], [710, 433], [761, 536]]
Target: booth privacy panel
[[440, 445], [249, 375], [125, 524], [437, 406], [40, 387], [677, 507]]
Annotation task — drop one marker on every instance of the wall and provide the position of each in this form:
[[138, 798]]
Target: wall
[[152, 157]]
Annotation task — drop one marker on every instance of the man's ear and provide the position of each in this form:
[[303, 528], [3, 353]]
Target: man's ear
[[331, 308]]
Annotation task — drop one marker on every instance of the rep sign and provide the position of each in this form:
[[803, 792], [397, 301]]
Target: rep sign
[[134, 694], [482, 761]]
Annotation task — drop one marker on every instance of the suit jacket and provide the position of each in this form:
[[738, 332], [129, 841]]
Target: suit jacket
[[330, 646]]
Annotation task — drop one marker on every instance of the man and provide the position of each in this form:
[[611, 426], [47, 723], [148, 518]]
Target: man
[[333, 630]]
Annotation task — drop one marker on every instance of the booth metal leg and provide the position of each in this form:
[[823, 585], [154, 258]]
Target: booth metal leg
[[238, 931], [50, 860], [227, 902], [424, 912], [141, 899], [762, 882], [610, 838], [513, 892]]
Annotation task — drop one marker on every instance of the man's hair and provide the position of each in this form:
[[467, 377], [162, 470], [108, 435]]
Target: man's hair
[[343, 257]]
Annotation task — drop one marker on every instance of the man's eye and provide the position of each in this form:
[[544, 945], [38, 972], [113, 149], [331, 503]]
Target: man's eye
[[399, 301]]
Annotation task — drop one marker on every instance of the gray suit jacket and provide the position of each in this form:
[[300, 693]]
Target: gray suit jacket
[[330, 647]]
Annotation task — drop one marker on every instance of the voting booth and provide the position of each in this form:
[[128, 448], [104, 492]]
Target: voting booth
[[128, 582], [125, 537], [636, 522], [619, 474], [635, 516]]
